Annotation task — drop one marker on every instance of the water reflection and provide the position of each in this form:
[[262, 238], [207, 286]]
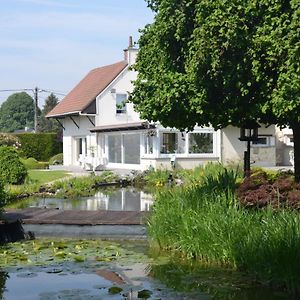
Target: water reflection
[[3, 276], [123, 199], [219, 284]]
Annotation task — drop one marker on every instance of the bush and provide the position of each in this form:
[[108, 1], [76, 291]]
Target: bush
[[7, 139], [12, 170], [31, 163], [57, 159], [40, 146]]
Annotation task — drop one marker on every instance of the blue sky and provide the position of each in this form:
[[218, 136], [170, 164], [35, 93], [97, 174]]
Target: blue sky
[[52, 44]]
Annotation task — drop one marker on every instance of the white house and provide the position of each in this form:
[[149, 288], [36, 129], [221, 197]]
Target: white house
[[100, 129]]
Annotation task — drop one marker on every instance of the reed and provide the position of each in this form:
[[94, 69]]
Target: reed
[[205, 222]]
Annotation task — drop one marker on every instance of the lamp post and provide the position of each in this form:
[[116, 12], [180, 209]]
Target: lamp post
[[248, 133]]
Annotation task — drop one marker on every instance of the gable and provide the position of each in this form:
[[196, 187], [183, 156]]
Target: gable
[[83, 95]]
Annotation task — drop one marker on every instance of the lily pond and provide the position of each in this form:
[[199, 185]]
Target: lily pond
[[122, 199], [72, 269], [94, 269]]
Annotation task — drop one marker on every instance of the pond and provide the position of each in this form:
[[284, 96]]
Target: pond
[[121, 199], [72, 269]]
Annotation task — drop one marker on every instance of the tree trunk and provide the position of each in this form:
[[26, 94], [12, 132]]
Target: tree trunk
[[296, 136]]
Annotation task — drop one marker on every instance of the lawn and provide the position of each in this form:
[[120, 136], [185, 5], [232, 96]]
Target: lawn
[[45, 176]]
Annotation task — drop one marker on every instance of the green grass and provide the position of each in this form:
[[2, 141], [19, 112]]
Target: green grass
[[204, 222], [45, 176]]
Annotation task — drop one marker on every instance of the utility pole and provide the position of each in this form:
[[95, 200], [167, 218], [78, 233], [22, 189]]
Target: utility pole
[[36, 99]]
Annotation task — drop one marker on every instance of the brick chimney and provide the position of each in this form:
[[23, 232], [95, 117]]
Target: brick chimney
[[130, 53]]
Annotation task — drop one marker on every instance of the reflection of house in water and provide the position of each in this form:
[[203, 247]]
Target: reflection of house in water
[[121, 200], [118, 200]]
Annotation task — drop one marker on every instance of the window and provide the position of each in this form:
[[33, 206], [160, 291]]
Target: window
[[131, 146], [148, 140], [264, 141], [115, 148], [172, 142], [121, 103], [201, 143], [124, 148], [261, 141]]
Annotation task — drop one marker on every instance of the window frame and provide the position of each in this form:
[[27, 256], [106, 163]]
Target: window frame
[[186, 153], [123, 110]]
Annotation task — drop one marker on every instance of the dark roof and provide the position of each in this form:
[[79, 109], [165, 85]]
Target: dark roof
[[123, 127], [86, 91]]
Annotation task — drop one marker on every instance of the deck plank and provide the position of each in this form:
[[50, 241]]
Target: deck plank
[[76, 217]]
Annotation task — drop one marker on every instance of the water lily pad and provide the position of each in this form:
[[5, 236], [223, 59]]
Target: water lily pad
[[78, 258], [115, 290], [144, 294], [27, 275]]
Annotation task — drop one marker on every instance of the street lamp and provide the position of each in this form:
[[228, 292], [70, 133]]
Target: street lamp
[[248, 133]]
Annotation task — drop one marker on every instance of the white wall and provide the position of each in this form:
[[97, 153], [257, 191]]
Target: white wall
[[233, 149], [106, 102], [71, 133]]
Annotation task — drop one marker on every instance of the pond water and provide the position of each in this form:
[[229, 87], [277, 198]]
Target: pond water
[[47, 270], [124, 199]]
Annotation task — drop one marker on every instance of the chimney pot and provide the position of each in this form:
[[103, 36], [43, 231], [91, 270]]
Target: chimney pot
[[130, 42]]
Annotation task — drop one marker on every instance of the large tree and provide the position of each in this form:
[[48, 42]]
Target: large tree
[[49, 125], [221, 62], [17, 112]]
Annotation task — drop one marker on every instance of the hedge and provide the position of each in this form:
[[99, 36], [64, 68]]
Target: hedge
[[41, 146]]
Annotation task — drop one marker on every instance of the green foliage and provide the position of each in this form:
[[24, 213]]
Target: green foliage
[[57, 159], [32, 163], [40, 146], [220, 63], [82, 186], [204, 222], [49, 125], [17, 112], [9, 140], [11, 168], [44, 252]]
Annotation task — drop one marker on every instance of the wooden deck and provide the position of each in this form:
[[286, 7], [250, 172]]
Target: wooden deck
[[75, 217]]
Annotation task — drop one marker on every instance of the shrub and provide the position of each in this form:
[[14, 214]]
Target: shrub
[[7, 139], [261, 190], [40, 146], [57, 159], [31, 163], [12, 170]]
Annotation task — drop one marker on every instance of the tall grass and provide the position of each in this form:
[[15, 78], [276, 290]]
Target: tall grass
[[205, 222]]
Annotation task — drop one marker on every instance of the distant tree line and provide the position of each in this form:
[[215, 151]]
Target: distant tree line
[[17, 112]]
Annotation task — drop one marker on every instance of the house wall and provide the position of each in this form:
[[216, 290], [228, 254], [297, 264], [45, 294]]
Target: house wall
[[72, 133], [106, 102], [181, 162], [233, 149]]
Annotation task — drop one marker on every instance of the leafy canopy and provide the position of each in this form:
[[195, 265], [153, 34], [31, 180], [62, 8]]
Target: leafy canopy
[[220, 62], [17, 112]]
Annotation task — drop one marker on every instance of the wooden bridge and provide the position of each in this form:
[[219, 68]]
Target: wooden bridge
[[80, 223]]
